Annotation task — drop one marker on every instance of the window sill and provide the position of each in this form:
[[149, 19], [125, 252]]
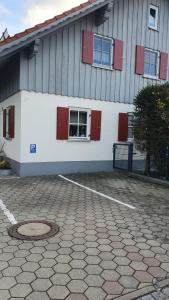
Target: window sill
[[150, 77], [83, 140], [152, 28], [103, 67]]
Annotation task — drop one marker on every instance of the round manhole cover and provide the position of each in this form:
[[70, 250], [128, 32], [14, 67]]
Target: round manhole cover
[[33, 230]]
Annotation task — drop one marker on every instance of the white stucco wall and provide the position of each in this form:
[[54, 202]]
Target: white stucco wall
[[38, 119], [12, 147]]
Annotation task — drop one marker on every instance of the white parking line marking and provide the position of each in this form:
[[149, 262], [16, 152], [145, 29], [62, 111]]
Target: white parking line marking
[[98, 193], [8, 178], [7, 213]]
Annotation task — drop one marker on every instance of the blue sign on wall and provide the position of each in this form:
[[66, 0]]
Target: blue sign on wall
[[32, 148]]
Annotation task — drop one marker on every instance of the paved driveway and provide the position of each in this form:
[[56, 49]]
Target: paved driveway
[[104, 249]]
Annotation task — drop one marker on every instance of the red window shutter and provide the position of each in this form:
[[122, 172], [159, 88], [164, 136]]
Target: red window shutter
[[163, 66], [95, 125], [118, 55], [123, 127], [12, 122], [87, 52], [139, 68], [4, 123], [62, 123]]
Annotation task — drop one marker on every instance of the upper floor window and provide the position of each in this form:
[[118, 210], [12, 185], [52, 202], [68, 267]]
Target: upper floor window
[[153, 17], [102, 51], [151, 63]]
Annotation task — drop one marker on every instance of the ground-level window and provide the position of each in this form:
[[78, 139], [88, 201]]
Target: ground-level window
[[153, 17], [102, 51], [78, 123], [8, 122], [151, 63], [130, 126]]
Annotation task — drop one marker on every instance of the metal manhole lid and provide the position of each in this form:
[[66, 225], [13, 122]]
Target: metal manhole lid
[[33, 230]]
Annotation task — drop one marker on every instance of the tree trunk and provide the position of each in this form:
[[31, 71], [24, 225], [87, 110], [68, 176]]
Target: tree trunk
[[147, 165]]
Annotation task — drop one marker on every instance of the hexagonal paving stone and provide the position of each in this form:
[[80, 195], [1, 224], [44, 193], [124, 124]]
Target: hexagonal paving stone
[[61, 292], [157, 272], [6, 283], [125, 270], [60, 279], [77, 274], [41, 284], [138, 266], [128, 282], [44, 272], [38, 296], [77, 286], [165, 266], [4, 295], [112, 288], [94, 280], [94, 293], [110, 275], [92, 260], [62, 268], [143, 276], [47, 262], [63, 258], [135, 257], [93, 269], [30, 267], [78, 255], [78, 263], [122, 261], [25, 277], [20, 290], [17, 262], [12, 271], [151, 262], [108, 265]]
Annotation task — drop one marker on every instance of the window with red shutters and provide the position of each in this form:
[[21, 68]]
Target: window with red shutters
[[9, 122], [163, 65], [87, 47], [95, 125], [62, 123], [139, 63], [118, 55], [123, 127]]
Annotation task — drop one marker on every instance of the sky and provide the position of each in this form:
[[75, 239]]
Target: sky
[[17, 15]]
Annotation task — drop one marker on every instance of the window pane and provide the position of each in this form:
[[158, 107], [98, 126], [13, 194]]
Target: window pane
[[82, 131], [150, 63], [130, 132], [82, 117], [106, 45], [73, 116], [106, 59], [97, 57], [73, 131], [152, 17], [130, 119], [153, 70], [97, 43]]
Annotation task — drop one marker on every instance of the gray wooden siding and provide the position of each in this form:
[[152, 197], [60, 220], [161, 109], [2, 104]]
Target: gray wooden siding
[[10, 78], [58, 69]]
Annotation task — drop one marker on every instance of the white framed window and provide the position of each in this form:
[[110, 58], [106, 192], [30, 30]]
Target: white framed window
[[153, 17], [151, 63], [79, 125], [130, 126], [103, 51]]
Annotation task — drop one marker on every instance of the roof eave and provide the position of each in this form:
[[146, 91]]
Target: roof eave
[[14, 46]]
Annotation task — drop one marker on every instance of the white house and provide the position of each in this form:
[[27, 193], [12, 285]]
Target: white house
[[67, 85]]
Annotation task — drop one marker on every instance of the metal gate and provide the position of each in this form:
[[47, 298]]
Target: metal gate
[[123, 156]]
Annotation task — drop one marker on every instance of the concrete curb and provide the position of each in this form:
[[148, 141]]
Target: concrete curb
[[144, 291], [146, 178]]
